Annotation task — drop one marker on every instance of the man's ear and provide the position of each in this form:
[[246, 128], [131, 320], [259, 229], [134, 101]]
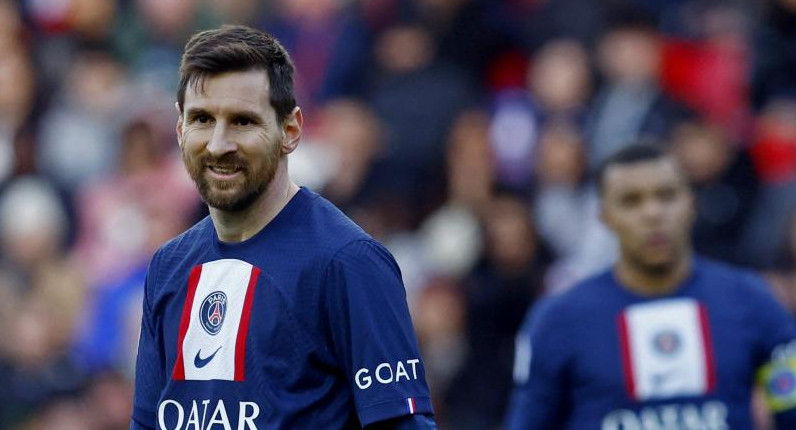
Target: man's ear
[[692, 205], [291, 130], [179, 123]]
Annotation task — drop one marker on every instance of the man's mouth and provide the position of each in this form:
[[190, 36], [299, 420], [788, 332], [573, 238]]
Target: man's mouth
[[225, 170], [657, 240]]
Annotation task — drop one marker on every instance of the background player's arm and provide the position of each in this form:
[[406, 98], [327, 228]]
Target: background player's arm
[[536, 402], [777, 376], [778, 380], [373, 336], [149, 368]]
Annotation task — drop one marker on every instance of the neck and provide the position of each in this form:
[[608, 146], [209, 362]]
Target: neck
[[242, 225], [653, 282]]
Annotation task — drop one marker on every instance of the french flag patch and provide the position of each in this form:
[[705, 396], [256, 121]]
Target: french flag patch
[[410, 403]]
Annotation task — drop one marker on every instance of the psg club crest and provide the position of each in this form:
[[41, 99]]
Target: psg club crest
[[213, 311], [666, 342]]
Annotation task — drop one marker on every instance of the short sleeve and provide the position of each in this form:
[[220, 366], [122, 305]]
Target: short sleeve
[[149, 368], [539, 373], [372, 333]]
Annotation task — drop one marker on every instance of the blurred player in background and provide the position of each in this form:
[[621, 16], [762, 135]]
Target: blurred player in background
[[276, 311], [664, 340]]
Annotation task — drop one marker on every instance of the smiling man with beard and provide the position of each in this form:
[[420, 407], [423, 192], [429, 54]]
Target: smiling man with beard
[[664, 340], [276, 311]]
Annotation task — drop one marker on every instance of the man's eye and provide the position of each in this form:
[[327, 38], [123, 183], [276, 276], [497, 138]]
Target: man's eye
[[667, 195], [629, 200], [243, 121], [202, 119]]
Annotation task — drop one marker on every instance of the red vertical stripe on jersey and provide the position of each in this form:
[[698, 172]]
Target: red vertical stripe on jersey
[[627, 360], [193, 281], [243, 329], [707, 345]]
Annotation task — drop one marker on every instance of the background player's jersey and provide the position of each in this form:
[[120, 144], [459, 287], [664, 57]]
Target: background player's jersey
[[601, 357], [303, 326]]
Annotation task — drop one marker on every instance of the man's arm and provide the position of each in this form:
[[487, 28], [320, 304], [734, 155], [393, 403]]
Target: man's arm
[[373, 337], [777, 334], [778, 380], [536, 402], [149, 367]]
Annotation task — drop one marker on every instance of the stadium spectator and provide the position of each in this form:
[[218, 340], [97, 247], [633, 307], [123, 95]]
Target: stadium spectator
[[78, 132], [498, 291], [774, 66], [146, 199], [773, 152], [17, 99], [724, 184], [558, 91], [630, 103], [417, 99]]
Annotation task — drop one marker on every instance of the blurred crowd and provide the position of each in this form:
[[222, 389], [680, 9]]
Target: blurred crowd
[[463, 134]]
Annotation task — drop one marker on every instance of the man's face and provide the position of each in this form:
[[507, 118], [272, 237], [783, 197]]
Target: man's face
[[231, 141], [630, 56], [650, 209]]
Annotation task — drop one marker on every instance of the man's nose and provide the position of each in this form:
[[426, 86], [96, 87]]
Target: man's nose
[[653, 209], [220, 142]]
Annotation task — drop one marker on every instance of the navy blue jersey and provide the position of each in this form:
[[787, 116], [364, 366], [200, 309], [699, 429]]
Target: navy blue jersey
[[303, 326], [602, 357]]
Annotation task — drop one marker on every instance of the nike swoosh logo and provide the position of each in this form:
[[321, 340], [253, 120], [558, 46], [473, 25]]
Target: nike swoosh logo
[[200, 362], [659, 379]]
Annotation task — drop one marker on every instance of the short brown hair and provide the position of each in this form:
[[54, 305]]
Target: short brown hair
[[237, 48]]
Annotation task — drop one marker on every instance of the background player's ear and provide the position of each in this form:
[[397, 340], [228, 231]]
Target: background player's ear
[[692, 205], [291, 130], [605, 217]]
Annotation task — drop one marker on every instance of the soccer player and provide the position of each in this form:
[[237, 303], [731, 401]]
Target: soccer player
[[276, 311], [666, 340]]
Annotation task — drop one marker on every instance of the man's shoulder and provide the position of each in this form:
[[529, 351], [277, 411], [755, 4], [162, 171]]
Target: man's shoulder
[[731, 279], [192, 238], [330, 226], [576, 303], [733, 290], [589, 291]]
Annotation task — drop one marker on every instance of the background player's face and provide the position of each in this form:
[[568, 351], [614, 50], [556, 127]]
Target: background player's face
[[649, 207], [231, 141]]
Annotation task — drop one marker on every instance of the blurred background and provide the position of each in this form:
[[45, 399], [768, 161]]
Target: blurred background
[[463, 134]]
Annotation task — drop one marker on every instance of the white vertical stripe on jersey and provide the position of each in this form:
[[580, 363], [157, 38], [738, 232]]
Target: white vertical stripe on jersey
[[232, 278], [656, 373]]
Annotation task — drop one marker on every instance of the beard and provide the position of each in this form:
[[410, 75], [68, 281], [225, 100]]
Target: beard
[[239, 194]]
